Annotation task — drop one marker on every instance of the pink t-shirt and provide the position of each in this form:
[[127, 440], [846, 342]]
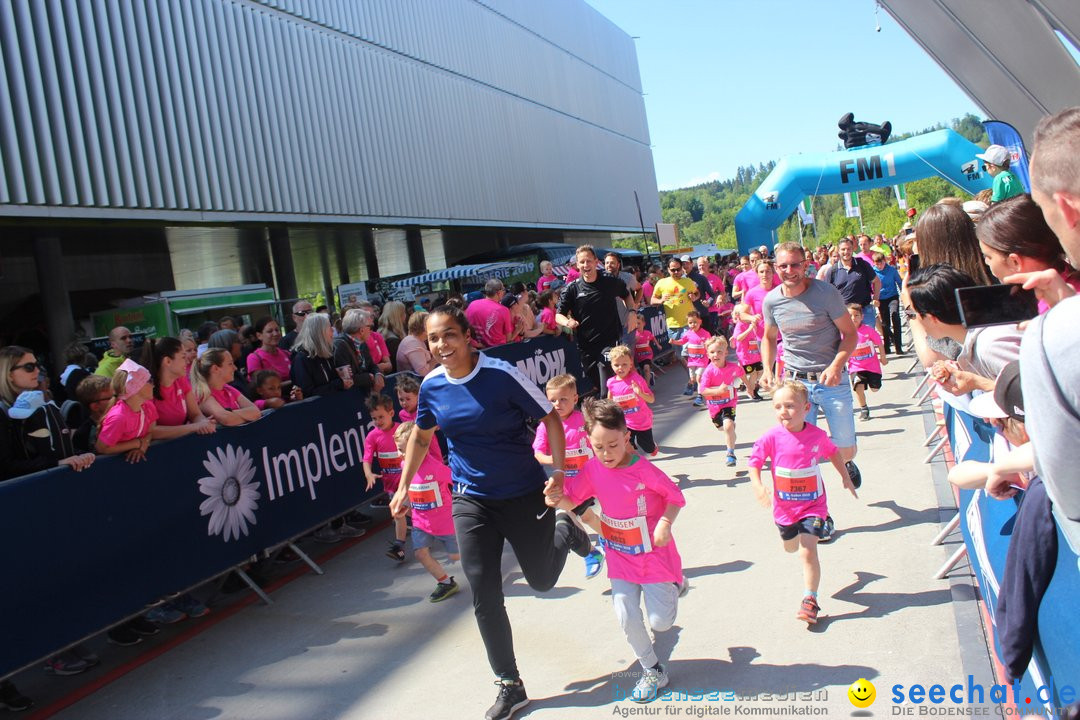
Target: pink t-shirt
[[646, 292], [694, 347], [643, 345], [747, 349], [798, 489], [429, 495], [578, 449], [406, 416], [714, 376], [754, 298], [227, 396], [434, 450], [122, 423], [717, 285], [547, 319], [379, 444], [637, 411], [572, 274], [746, 281], [633, 500], [490, 321], [377, 347], [545, 282], [172, 407], [279, 361], [865, 355]]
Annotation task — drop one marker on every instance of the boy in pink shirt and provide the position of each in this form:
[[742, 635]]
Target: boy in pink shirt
[[639, 503], [693, 342], [379, 444], [864, 364], [800, 511], [127, 425], [408, 397], [718, 388], [430, 499], [644, 343], [748, 353], [633, 395], [561, 392]]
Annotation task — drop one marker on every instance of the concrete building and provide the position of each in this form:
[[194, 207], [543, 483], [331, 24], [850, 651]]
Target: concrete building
[[150, 146]]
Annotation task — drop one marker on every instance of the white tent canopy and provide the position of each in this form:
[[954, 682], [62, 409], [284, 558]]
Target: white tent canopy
[[481, 272]]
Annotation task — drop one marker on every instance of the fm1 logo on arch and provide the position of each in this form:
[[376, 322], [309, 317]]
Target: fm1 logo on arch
[[868, 168]]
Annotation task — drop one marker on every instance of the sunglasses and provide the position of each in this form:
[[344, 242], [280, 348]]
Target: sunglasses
[[790, 266], [27, 367], [910, 314], [302, 313]]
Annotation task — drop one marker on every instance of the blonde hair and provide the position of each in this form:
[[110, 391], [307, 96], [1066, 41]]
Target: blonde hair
[[403, 430], [417, 321], [392, 320], [9, 358], [561, 381], [620, 351], [796, 388], [200, 371], [716, 340]]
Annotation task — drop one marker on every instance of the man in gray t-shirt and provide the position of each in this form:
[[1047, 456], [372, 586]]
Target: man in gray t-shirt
[[818, 338]]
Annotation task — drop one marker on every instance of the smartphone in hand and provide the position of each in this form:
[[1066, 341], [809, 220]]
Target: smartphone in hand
[[995, 305]]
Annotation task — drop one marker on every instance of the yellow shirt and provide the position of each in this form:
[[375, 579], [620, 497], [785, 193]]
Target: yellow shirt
[[678, 305]]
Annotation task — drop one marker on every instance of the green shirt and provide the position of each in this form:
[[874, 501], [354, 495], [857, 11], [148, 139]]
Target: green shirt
[[109, 363], [1006, 185]]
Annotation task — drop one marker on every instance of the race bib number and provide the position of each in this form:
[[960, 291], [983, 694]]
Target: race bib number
[[575, 460], [695, 351], [642, 350], [627, 536], [629, 403], [754, 346], [727, 397], [390, 463], [425, 495], [799, 484], [863, 352]]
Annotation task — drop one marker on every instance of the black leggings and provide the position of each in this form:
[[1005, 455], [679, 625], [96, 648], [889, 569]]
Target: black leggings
[[596, 369], [643, 439], [482, 525], [889, 312]]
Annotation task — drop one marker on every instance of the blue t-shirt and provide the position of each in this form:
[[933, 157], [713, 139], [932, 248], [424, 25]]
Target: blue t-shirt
[[483, 417], [890, 282]]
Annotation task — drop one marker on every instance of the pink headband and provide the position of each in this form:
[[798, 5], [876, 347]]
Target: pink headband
[[137, 377]]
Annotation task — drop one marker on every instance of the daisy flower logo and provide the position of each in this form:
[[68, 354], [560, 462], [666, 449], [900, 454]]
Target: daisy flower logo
[[231, 496]]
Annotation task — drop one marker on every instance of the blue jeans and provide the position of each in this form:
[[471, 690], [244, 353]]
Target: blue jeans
[[835, 403]]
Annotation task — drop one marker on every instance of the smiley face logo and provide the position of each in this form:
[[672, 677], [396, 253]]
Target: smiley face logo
[[862, 693]]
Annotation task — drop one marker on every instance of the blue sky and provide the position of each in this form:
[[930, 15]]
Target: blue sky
[[738, 82]]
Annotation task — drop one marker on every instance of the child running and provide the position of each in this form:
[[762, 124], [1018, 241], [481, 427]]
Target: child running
[[865, 362], [408, 397], [380, 444], [640, 503], [693, 342], [561, 392], [429, 497], [718, 388], [643, 350], [800, 510], [633, 395], [747, 351]]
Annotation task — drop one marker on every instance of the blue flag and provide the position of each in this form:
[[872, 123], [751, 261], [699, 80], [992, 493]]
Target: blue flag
[[1004, 134]]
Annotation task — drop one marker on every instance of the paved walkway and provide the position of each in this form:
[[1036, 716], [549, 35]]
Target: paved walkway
[[363, 642]]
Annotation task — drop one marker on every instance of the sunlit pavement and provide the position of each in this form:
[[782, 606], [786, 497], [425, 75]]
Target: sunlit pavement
[[362, 641]]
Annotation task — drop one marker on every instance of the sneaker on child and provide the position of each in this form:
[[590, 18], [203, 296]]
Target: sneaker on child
[[395, 551], [730, 461], [443, 591], [808, 610], [649, 684], [594, 563]]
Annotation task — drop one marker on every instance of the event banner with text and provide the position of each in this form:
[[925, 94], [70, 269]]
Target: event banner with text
[[87, 549]]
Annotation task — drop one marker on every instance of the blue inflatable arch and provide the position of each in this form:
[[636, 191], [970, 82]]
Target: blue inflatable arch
[[942, 152]]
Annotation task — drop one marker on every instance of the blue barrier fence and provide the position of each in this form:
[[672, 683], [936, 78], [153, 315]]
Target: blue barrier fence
[[987, 528], [85, 550]]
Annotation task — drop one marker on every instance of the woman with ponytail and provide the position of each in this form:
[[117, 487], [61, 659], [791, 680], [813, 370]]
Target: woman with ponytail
[[210, 378], [178, 411]]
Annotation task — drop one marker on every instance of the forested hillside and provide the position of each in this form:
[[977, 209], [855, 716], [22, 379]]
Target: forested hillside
[[706, 213]]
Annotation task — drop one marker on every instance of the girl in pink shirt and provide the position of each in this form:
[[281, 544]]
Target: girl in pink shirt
[[792, 450], [547, 302], [547, 277], [864, 364], [430, 499], [408, 397], [127, 426], [718, 389], [210, 377], [644, 342], [269, 356], [693, 342], [640, 503], [379, 444], [747, 352], [177, 410], [630, 391]]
